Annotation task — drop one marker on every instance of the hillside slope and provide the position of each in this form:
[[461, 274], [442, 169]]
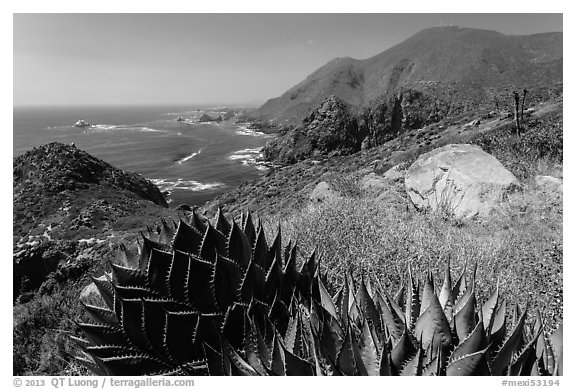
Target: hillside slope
[[460, 58]]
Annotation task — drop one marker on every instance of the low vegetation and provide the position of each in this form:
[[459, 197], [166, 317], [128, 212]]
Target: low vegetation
[[218, 300]]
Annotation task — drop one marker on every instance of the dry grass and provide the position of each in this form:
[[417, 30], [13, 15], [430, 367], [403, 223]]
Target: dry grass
[[521, 247]]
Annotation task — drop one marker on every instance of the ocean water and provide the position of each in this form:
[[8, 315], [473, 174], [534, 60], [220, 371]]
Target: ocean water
[[191, 162]]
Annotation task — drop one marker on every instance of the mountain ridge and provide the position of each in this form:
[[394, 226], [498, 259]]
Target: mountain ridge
[[471, 58]]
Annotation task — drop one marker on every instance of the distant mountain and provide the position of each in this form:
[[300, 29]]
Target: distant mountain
[[447, 55]]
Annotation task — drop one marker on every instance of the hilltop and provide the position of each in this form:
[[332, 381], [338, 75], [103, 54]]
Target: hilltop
[[465, 60]]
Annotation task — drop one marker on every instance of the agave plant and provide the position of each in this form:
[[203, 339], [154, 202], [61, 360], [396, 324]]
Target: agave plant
[[219, 300]]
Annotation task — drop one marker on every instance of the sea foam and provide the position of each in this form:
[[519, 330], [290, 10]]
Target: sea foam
[[182, 184]]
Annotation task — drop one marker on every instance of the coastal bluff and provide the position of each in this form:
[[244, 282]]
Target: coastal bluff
[[68, 203]]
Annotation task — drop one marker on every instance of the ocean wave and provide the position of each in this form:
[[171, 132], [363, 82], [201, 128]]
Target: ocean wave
[[250, 157], [181, 184], [123, 127], [181, 161], [244, 130]]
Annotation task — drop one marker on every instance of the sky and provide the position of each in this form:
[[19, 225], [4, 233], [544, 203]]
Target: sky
[[135, 59]]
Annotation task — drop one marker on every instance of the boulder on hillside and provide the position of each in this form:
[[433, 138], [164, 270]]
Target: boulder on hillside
[[459, 179], [323, 192]]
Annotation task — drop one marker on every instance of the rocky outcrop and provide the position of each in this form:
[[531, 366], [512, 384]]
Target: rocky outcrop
[[330, 129], [56, 167], [66, 201], [460, 180]]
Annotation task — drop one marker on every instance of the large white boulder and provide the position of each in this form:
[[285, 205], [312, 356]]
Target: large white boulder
[[459, 179]]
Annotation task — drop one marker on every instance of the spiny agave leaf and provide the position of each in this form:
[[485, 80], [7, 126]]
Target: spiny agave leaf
[[239, 366], [276, 249], [158, 268], [346, 360], [110, 351], [238, 246], [249, 229], [460, 286], [355, 315], [301, 341], [154, 325], [101, 315], [93, 364], [498, 330], [446, 291], [470, 364], [133, 324], [399, 297], [427, 293], [166, 232], [251, 347], [274, 279], [179, 337], [259, 312], [510, 346], [193, 368], [278, 363], [99, 334], [432, 327], [522, 362], [279, 314], [540, 368], [557, 343], [222, 224], [464, 296], [227, 281], [132, 293], [325, 299], [137, 364], [200, 287], [197, 223], [385, 365], [290, 277], [341, 302], [264, 351], [412, 300], [296, 366], [178, 277], [402, 351], [392, 321], [213, 244], [291, 330], [488, 310], [475, 342], [415, 366], [260, 252], [253, 284], [465, 319], [307, 271], [125, 276], [187, 239], [208, 330], [233, 328], [105, 289], [331, 340], [369, 351], [367, 306]]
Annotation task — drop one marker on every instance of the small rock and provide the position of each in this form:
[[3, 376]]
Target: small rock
[[373, 183], [323, 192], [549, 183], [394, 174]]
